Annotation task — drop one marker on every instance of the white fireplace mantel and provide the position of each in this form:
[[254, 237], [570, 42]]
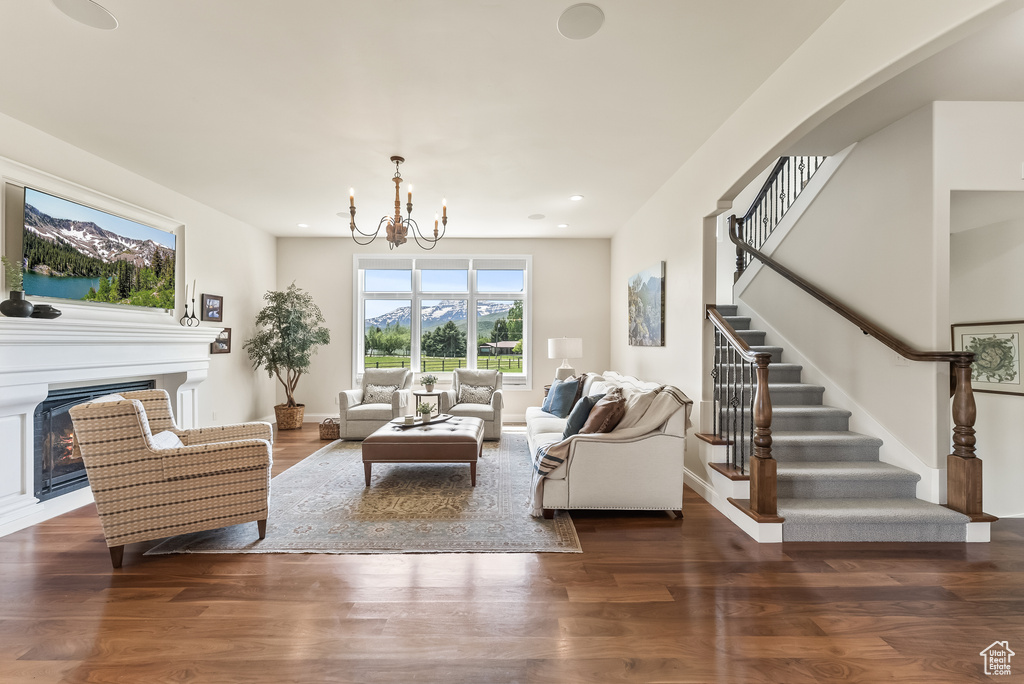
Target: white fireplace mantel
[[37, 354]]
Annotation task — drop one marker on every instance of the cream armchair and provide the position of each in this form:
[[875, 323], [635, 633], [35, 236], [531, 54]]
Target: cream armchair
[[148, 485], [359, 420], [453, 400]]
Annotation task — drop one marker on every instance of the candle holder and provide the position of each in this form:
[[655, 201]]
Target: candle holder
[[189, 319]]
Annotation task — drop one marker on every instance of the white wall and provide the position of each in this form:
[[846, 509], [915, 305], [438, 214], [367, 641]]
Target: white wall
[[867, 239], [980, 147], [225, 257], [986, 283], [570, 298]]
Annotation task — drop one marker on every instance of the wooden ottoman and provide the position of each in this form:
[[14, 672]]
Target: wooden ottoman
[[457, 440]]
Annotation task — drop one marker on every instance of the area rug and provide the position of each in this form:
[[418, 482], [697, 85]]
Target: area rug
[[321, 505]]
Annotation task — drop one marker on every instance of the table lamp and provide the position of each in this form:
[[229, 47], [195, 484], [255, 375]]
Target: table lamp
[[565, 348]]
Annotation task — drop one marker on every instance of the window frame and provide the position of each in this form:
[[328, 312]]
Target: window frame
[[361, 263]]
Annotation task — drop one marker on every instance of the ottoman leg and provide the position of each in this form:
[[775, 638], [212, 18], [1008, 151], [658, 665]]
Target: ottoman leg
[[472, 473], [366, 471]]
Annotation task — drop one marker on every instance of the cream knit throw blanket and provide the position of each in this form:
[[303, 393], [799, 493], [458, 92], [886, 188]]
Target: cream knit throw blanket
[[645, 412]]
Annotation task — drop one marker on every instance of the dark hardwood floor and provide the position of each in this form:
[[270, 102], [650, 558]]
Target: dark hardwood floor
[[651, 599]]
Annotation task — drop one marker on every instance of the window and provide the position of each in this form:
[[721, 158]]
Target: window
[[434, 314]]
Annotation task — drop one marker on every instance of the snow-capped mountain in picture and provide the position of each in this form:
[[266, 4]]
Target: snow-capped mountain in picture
[[438, 314], [87, 238]]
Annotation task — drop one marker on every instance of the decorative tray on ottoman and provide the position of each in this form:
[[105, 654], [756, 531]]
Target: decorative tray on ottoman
[[419, 422]]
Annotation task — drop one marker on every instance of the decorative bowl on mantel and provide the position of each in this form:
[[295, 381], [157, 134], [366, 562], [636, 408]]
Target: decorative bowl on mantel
[[45, 311]]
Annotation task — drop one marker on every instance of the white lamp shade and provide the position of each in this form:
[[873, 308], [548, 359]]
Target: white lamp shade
[[565, 348]]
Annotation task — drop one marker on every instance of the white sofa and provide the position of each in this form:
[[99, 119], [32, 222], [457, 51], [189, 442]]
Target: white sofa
[[606, 471]]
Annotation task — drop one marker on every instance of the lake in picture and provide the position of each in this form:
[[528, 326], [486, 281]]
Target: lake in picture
[[66, 288]]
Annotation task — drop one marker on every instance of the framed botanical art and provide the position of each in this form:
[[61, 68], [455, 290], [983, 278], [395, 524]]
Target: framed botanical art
[[646, 297], [222, 345], [212, 308], [996, 347]]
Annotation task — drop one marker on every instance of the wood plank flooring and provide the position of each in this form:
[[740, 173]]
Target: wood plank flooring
[[651, 599]]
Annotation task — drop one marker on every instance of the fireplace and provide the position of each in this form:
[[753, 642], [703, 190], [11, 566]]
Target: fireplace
[[58, 465]]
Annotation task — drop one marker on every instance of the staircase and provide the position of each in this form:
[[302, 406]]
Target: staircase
[[831, 484]]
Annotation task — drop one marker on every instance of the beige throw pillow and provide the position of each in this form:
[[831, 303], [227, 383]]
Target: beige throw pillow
[[475, 394], [378, 394]]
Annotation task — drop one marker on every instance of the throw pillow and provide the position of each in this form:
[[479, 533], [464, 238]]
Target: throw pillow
[[166, 440], [475, 394], [606, 413], [546, 406], [579, 414], [378, 394], [563, 397]]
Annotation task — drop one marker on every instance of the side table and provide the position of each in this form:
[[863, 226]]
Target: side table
[[420, 395]]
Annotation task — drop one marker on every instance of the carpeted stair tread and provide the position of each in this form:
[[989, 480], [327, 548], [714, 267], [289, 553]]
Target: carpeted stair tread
[[856, 511], [839, 470], [795, 394], [810, 418], [824, 445], [737, 322], [845, 480], [726, 309], [777, 372]]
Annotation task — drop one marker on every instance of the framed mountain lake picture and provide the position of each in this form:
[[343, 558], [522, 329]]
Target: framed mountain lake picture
[[996, 346]]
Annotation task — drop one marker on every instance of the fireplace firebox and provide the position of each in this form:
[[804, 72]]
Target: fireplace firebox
[[58, 465]]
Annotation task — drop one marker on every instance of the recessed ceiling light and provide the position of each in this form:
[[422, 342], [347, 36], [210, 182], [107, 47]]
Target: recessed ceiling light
[[563, 225], [580, 21], [576, 198], [87, 12], [535, 217], [303, 225]]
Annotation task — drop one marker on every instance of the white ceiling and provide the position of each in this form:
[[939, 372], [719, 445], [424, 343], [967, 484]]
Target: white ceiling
[[986, 66], [269, 111]]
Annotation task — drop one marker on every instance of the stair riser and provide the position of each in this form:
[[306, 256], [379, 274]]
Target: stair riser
[[798, 453], [776, 352], [845, 489], [796, 422], [751, 337], [776, 373], [874, 532], [799, 396], [726, 309], [738, 322]]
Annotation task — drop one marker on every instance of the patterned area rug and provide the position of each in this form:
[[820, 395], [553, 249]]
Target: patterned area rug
[[321, 505]]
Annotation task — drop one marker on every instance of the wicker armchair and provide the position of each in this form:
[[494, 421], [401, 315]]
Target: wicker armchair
[[151, 479]]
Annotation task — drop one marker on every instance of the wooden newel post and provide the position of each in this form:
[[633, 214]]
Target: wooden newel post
[[736, 228], [963, 468], [763, 477]]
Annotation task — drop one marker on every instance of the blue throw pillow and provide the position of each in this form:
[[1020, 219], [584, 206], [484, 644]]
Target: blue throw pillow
[[546, 406], [578, 416], [562, 397]]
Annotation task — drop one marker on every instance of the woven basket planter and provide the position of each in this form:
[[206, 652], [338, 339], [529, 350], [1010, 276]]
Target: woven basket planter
[[330, 429], [289, 418]]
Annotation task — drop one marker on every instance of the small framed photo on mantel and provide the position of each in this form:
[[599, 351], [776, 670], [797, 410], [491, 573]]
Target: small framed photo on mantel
[[222, 345], [212, 308], [996, 346]]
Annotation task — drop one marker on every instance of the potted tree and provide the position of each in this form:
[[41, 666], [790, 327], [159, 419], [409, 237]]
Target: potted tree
[[17, 306], [288, 331]]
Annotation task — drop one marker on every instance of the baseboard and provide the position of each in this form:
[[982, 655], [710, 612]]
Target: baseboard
[[51, 508], [698, 484], [319, 418]]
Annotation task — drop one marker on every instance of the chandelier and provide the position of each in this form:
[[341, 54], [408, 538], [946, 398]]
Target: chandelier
[[397, 229]]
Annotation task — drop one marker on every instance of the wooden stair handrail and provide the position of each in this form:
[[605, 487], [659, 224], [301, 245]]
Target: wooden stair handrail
[[865, 326]]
